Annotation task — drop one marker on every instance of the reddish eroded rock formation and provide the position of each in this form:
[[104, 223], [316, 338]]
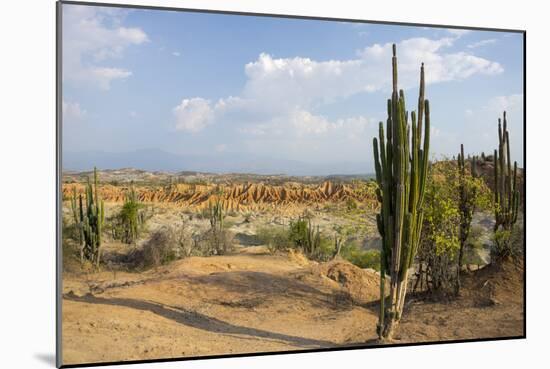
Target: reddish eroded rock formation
[[238, 197]]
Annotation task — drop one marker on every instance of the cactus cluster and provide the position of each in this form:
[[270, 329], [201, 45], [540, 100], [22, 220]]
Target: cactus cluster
[[219, 239], [89, 220], [305, 236], [313, 239], [506, 191], [401, 163]]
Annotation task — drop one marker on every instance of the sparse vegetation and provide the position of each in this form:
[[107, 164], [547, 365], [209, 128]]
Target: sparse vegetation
[[275, 238], [353, 253]]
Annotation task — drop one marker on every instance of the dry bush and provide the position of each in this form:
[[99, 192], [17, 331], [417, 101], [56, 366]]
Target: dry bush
[[165, 245], [159, 249], [214, 242]]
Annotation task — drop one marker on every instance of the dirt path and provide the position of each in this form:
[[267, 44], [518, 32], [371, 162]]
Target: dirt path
[[251, 302]]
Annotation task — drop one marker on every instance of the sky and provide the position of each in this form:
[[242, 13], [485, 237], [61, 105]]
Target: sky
[[290, 93]]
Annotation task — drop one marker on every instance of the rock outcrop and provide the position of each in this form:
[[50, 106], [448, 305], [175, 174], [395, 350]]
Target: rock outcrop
[[237, 197]]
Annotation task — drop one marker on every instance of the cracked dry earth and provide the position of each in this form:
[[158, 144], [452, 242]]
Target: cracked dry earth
[[252, 301]]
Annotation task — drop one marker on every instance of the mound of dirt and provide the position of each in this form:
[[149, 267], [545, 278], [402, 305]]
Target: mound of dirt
[[497, 283], [362, 286]]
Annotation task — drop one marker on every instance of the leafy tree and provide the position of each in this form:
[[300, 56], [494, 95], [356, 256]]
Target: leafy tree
[[441, 243]]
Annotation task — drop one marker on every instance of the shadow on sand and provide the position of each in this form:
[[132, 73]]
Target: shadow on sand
[[199, 321]]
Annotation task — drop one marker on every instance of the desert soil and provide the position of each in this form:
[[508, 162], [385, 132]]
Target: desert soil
[[251, 301]]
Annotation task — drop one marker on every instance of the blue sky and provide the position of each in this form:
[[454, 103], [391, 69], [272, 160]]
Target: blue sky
[[284, 89]]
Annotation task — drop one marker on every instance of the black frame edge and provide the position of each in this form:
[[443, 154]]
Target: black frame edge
[[290, 16], [293, 352], [58, 177]]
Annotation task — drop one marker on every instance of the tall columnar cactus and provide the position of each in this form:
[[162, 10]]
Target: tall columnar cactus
[[506, 198], [467, 197], [89, 220], [401, 163]]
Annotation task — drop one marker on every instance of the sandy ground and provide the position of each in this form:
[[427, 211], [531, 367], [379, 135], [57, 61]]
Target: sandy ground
[[251, 301]]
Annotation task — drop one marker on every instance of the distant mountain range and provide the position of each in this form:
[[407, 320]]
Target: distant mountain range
[[159, 160]]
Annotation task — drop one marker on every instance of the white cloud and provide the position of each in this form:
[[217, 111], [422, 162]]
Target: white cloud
[[221, 147], [193, 115], [482, 43], [281, 95], [508, 103], [301, 123], [176, 53], [72, 111], [458, 32], [440, 66], [102, 76], [91, 37], [284, 83], [435, 132]]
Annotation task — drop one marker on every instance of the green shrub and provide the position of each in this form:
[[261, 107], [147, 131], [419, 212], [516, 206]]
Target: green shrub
[[351, 204], [298, 233], [361, 258], [275, 238], [325, 251]]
